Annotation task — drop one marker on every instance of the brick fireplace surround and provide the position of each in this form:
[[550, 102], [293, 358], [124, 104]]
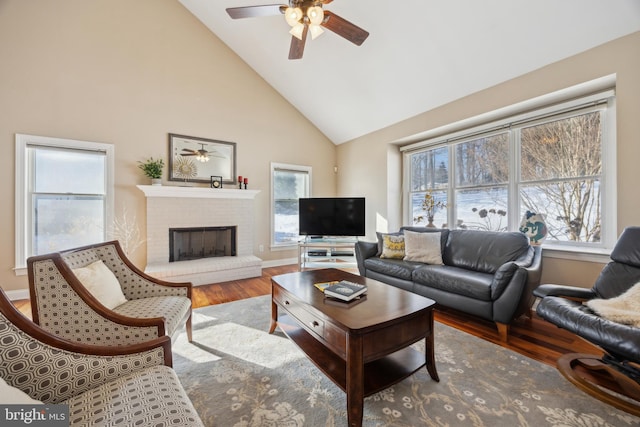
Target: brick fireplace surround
[[177, 207]]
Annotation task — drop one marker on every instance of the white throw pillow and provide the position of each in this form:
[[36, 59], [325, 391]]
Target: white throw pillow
[[10, 395], [422, 247], [102, 284]]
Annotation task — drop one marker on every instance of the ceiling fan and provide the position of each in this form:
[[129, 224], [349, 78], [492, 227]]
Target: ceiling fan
[[202, 155], [304, 16]]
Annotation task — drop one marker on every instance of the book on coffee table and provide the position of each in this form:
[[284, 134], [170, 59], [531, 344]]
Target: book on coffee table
[[324, 285], [345, 290]]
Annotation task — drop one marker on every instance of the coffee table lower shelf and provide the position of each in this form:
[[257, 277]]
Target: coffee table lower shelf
[[379, 374]]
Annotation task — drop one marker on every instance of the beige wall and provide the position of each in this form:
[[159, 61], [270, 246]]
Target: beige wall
[[364, 160], [128, 73]]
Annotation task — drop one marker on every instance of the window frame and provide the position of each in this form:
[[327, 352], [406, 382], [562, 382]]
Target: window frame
[[512, 120], [24, 170], [292, 168]]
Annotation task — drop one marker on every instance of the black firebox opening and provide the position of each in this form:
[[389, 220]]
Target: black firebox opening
[[201, 242]]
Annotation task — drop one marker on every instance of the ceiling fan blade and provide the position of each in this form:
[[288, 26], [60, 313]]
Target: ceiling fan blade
[[344, 28], [255, 11], [297, 46]]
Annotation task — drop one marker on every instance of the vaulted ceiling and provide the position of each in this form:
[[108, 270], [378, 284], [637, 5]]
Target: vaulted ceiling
[[420, 53]]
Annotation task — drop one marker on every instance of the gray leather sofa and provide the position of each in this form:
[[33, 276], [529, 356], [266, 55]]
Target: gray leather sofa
[[487, 274]]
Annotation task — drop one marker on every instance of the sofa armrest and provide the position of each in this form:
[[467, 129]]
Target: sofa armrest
[[566, 291], [502, 278], [363, 251]]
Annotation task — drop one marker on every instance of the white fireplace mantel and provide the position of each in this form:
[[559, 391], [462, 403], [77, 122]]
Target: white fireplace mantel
[[197, 192]]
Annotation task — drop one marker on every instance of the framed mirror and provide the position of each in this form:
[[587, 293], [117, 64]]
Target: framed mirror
[[196, 159]]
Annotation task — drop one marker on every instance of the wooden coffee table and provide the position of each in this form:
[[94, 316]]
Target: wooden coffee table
[[362, 346]]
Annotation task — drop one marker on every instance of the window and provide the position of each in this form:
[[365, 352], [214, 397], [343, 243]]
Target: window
[[289, 183], [553, 161], [481, 182], [63, 194]]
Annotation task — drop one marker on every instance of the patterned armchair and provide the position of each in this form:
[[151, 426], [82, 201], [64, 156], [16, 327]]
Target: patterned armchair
[[61, 304], [126, 385]]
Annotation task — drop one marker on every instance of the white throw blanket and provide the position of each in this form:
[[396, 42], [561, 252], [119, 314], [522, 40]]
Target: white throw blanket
[[624, 308]]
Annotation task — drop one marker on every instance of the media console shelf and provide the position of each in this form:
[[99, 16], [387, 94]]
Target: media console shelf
[[326, 252]]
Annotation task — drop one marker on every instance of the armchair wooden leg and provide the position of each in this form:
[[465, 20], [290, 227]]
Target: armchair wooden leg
[[503, 331], [189, 329]]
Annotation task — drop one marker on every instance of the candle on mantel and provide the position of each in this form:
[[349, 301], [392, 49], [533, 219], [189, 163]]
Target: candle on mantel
[[239, 178], [246, 181]]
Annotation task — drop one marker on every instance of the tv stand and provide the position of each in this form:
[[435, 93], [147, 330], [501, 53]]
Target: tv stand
[[326, 252]]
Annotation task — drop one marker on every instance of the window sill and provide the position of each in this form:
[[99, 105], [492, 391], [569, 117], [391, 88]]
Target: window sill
[[599, 255]]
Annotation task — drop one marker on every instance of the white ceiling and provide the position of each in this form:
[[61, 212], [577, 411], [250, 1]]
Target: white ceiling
[[420, 54]]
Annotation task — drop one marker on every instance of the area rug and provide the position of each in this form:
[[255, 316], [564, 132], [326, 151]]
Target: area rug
[[238, 375]]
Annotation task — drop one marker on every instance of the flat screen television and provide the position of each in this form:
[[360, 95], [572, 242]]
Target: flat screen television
[[332, 216]]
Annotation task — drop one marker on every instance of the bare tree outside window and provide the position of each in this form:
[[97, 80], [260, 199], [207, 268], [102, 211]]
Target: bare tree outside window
[[561, 166]]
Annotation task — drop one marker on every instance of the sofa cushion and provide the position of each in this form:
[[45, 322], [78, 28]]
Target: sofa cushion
[[175, 309], [484, 251], [152, 396], [473, 284], [422, 247], [392, 247], [392, 267]]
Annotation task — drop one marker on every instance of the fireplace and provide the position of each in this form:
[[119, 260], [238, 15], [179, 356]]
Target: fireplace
[[195, 208], [201, 242]]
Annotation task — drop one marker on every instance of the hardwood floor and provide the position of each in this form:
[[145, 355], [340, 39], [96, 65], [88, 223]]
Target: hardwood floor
[[532, 337]]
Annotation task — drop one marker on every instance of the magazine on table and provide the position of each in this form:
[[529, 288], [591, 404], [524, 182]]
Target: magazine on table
[[345, 290]]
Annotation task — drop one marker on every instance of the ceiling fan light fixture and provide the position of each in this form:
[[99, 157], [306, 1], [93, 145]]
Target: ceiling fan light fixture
[[297, 31], [315, 31], [293, 15], [315, 15]]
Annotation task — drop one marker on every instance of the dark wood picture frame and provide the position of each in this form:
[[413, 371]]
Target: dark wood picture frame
[[185, 166]]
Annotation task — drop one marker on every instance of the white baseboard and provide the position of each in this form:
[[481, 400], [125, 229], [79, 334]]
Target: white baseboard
[[279, 262], [18, 294]]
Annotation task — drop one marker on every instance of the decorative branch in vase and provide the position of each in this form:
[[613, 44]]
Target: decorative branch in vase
[[429, 206]]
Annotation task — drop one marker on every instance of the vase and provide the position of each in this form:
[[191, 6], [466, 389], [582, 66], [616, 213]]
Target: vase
[[156, 181], [534, 227], [430, 224]]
